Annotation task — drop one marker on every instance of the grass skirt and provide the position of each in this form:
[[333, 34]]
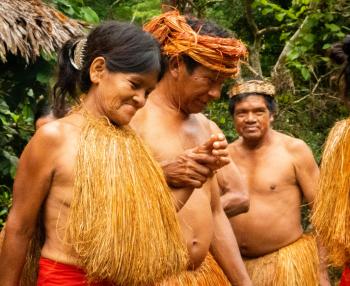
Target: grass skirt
[[331, 211], [208, 273], [293, 265]]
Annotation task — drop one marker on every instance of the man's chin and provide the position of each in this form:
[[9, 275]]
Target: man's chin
[[252, 136]]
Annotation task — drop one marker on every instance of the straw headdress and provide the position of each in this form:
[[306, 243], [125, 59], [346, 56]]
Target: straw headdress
[[253, 87], [178, 38]]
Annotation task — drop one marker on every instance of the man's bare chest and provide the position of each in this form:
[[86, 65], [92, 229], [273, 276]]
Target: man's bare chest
[[167, 142], [269, 174]]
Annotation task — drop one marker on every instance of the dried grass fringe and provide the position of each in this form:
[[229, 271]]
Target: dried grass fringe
[[293, 265], [122, 224], [208, 274], [331, 211], [30, 270]]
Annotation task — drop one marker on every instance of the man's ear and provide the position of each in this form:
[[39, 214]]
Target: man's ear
[[174, 65], [272, 118], [97, 68]]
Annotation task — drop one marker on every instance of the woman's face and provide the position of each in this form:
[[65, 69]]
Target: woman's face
[[119, 95]]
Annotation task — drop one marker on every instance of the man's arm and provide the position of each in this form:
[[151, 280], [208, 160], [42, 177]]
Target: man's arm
[[307, 174], [30, 189], [234, 192], [224, 246]]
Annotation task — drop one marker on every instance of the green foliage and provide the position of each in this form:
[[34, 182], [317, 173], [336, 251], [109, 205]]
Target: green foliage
[[76, 9], [5, 204], [218, 112], [21, 88], [136, 10]]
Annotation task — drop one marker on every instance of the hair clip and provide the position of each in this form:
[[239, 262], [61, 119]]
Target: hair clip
[[76, 53]]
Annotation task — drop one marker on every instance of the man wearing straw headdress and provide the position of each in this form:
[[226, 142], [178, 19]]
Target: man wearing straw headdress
[[280, 171], [199, 57]]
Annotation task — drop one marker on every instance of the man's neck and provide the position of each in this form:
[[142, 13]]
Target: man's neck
[[167, 97], [253, 145]]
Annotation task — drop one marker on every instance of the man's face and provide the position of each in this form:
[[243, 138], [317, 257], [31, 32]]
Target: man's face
[[198, 88], [252, 118]]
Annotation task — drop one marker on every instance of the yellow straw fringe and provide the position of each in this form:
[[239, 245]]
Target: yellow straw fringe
[[30, 270], [122, 223], [208, 274], [293, 265], [331, 211]]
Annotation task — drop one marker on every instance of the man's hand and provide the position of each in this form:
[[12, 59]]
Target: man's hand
[[192, 168], [216, 149], [186, 171]]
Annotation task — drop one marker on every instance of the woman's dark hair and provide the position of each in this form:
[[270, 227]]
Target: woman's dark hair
[[339, 53], [43, 109], [269, 101], [125, 48]]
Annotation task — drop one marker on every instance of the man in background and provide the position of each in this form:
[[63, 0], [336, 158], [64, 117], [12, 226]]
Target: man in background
[[280, 172]]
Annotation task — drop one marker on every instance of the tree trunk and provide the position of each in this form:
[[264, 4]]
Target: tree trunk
[[280, 74], [254, 50]]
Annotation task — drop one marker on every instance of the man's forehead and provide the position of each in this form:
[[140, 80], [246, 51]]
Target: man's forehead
[[204, 71], [252, 99]]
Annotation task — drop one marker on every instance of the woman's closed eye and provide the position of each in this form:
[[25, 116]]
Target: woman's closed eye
[[135, 85]]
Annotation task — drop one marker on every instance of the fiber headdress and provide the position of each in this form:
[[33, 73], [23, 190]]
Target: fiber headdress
[[253, 86], [177, 38]]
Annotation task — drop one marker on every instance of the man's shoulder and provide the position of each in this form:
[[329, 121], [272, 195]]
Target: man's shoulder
[[296, 147], [149, 115], [235, 142], [202, 118], [290, 142], [234, 145], [204, 122]]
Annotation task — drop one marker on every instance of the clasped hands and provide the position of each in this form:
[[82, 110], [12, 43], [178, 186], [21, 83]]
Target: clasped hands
[[193, 167]]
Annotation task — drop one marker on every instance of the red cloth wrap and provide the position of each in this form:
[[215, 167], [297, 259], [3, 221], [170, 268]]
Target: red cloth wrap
[[345, 278], [53, 273]]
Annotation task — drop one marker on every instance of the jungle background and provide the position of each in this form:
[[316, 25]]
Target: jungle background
[[288, 42]]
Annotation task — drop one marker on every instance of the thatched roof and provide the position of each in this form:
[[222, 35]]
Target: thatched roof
[[28, 27]]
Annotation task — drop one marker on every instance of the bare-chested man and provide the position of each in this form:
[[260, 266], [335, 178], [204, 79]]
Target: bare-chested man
[[280, 171], [171, 123]]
